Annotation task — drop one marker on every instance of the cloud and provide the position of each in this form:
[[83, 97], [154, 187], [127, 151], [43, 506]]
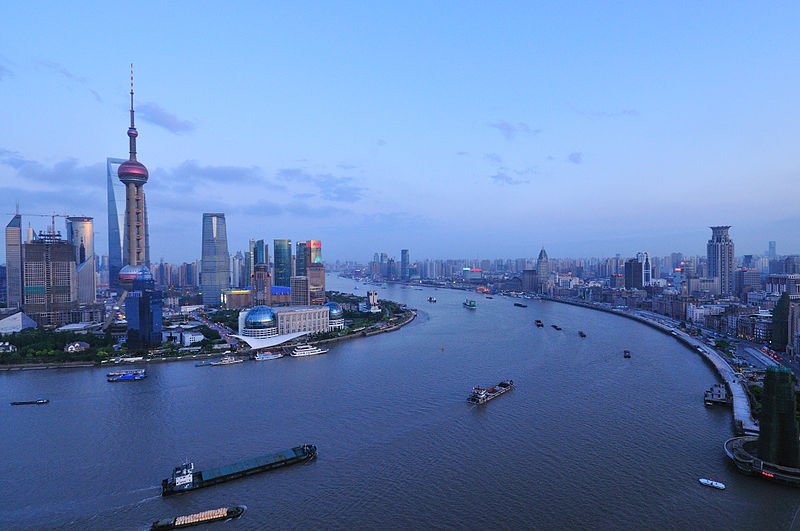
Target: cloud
[[381, 142], [5, 72], [330, 187], [67, 74], [157, 115], [494, 157], [462, 153], [623, 113], [576, 157], [503, 178], [511, 130]]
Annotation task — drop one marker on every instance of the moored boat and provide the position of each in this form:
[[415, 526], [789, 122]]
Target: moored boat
[[264, 356], [125, 371], [185, 478], [139, 374], [226, 360], [37, 402], [307, 350], [481, 395], [712, 483], [205, 517]]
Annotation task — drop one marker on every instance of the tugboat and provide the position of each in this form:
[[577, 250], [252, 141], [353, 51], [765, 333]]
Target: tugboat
[[581, 333], [539, 323], [184, 477], [38, 402], [470, 304], [206, 517], [481, 395], [626, 354]]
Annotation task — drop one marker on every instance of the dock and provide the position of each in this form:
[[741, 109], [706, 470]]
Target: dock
[[717, 394]]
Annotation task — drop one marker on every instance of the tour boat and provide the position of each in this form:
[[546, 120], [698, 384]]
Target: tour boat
[[264, 356], [307, 350]]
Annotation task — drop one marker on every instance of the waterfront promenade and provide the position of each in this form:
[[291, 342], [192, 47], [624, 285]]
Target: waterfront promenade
[[742, 416]]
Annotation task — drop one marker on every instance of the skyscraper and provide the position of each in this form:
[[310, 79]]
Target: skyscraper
[[116, 221], [720, 259], [283, 262], [647, 268], [404, 262], [80, 234], [143, 312], [260, 252], [134, 175], [542, 269], [14, 262], [50, 291], [300, 262], [633, 274], [772, 252], [316, 283], [262, 285], [313, 252], [778, 434], [300, 295], [214, 274]]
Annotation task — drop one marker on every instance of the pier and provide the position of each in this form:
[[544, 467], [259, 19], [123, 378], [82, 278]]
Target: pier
[[743, 420]]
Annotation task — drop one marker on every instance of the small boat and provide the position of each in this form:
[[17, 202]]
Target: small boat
[[226, 360], [205, 363], [264, 356], [520, 305], [712, 483], [307, 350], [489, 297], [581, 333], [206, 517], [539, 323], [37, 402], [626, 354], [470, 304], [556, 327], [431, 299], [125, 371], [481, 395], [128, 376]]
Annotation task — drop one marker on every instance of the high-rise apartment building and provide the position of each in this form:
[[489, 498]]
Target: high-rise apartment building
[[215, 263], [115, 191], [720, 259], [404, 263], [14, 262], [80, 234], [283, 262], [50, 291]]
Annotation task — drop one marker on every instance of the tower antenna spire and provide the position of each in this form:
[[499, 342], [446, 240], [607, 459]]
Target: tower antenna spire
[[132, 133]]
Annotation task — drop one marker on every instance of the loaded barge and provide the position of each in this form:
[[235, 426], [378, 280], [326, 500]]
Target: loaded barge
[[206, 517], [481, 395], [184, 477]]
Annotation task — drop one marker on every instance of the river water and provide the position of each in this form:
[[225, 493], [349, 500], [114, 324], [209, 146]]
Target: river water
[[586, 440]]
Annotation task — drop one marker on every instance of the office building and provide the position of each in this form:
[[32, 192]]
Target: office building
[[778, 435], [299, 292], [134, 175], [3, 287], [14, 262], [647, 268], [283, 262], [316, 282], [772, 251], [260, 252], [143, 313], [301, 259], [542, 269], [404, 263], [262, 285], [80, 234], [50, 293], [720, 259], [215, 262], [115, 191], [633, 274], [265, 322], [313, 252]]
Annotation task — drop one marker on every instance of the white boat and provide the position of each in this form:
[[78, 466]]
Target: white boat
[[307, 350], [264, 356], [226, 360], [711, 483]]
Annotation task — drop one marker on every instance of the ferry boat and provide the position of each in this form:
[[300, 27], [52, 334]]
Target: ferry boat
[[712, 483], [470, 304], [481, 395], [539, 323], [307, 350], [581, 333], [37, 402], [205, 517], [226, 360], [520, 305], [140, 374], [125, 371], [184, 477], [264, 356], [626, 354]]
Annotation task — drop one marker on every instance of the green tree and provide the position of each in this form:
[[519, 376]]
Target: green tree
[[780, 324]]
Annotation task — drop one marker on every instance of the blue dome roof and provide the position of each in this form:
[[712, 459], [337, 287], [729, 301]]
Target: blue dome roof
[[336, 310], [260, 317], [129, 273]]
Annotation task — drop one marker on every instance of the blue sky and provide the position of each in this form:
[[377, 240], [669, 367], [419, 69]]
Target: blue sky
[[455, 129]]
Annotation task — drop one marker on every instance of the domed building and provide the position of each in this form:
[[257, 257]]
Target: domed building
[[260, 322], [129, 273], [336, 319], [266, 322]]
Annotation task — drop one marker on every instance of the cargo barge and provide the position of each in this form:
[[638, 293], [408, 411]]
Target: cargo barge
[[206, 517], [481, 395], [38, 402], [184, 477]]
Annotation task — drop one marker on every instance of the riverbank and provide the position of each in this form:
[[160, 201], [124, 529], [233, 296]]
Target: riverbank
[[743, 420]]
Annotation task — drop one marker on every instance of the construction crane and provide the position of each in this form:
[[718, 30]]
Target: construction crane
[[52, 217]]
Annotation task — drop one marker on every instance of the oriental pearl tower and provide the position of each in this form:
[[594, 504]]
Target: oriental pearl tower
[[136, 245]]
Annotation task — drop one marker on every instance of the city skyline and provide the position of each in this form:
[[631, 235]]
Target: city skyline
[[560, 126]]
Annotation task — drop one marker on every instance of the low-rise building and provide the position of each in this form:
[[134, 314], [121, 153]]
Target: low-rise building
[[265, 321]]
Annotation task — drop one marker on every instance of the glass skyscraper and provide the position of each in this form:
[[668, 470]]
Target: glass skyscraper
[[143, 312], [283, 262], [80, 233], [215, 263], [300, 261], [116, 220]]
